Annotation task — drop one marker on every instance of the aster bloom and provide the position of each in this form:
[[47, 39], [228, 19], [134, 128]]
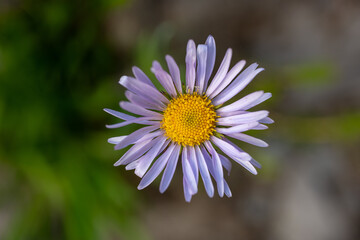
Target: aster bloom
[[190, 122]]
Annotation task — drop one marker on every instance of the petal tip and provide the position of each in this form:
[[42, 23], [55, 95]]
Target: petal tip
[[211, 194], [122, 80], [162, 189]]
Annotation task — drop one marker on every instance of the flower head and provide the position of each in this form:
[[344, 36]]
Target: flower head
[[190, 122]]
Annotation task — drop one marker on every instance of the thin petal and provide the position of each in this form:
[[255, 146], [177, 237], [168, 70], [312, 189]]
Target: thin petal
[[249, 139], [151, 135], [211, 170], [248, 166], [237, 85], [190, 61], [193, 162], [237, 128], [227, 189], [244, 118], [230, 150], [116, 140], [156, 169], [245, 164], [136, 109], [146, 160], [226, 163], [221, 73], [187, 191], [134, 136], [208, 160], [188, 172], [266, 120], [228, 114], [204, 172], [135, 152], [141, 101], [210, 61], [239, 104], [263, 98], [201, 67], [234, 71], [164, 78], [140, 120], [170, 169], [132, 165], [260, 127], [174, 72], [120, 115], [210, 167], [217, 167], [144, 90], [255, 163], [140, 75]]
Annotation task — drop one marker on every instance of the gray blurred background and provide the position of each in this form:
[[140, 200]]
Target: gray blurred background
[[59, 66]]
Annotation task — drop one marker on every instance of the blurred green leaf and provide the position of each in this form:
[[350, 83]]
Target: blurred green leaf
[[340, 128], [57, 73], [152, 47], [311, 74]]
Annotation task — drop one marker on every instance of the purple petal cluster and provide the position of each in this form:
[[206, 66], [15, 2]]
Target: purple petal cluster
[[151, 152]]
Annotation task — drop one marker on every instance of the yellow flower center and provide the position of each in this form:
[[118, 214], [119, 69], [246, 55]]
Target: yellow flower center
[[189, 119]]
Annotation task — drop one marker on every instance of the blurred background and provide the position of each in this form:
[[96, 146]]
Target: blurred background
[[60, 62]]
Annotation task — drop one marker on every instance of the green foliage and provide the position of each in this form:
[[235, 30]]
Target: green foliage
[[55, 67], [311, 74], [341, 128], [151, 47]]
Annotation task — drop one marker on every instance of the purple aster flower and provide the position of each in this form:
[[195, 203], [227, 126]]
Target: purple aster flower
[[190, 122]]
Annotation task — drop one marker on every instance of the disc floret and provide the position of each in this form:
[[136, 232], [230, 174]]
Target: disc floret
[[189, 119]]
